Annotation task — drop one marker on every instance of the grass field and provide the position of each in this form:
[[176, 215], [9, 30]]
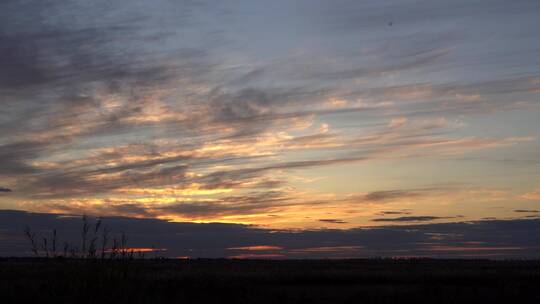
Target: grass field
[[264, 281]]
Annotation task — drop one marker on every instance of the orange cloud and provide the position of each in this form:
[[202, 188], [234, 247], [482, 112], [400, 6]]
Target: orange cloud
[[533, 195], [257, 248]]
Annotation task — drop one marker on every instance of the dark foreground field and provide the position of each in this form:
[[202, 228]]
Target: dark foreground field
[[256, 281]]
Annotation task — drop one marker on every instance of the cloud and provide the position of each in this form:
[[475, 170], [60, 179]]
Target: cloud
[[329, 249], [533, 195], [230, 205], [333, 221], [388, 195], [417, 61], [66, 184], [171, 207], [4, 189], [502, 238], [55, 84], [256, 200], [257, 248], [14, 157], [393, 212], [526, 211], [423, 218]]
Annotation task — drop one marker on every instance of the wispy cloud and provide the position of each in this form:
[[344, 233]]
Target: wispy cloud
[[421, 218], [394, 212], [257, 248], [333, 221], [533, 195], [526, 211]]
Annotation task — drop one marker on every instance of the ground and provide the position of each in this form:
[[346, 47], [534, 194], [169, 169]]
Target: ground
[[263, 281]]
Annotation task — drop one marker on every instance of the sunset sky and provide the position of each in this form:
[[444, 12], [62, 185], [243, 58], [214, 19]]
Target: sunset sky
[[309, 115]]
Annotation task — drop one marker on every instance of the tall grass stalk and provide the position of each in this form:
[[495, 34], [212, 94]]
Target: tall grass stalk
[[91, 236]]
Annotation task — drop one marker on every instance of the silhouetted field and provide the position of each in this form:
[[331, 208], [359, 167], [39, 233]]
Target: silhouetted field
[[263, 281]]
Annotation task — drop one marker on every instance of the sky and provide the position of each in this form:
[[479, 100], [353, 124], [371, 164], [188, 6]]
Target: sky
[[276, 118]]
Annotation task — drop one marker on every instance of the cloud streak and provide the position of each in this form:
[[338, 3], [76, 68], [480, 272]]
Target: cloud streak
[[423, 218]]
